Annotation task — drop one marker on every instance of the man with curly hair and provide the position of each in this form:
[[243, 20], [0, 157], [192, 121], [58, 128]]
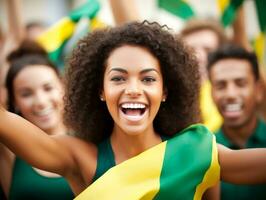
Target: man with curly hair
[[131, 99]]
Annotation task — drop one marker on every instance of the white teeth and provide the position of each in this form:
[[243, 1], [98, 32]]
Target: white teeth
[[233, 107], [133, 105], [43, 112]]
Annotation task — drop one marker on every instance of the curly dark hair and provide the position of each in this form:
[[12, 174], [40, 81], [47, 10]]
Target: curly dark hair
[[89, 118]]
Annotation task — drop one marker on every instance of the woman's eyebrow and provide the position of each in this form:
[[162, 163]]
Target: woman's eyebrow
[[149, 70], [125, 71], [117, 69]]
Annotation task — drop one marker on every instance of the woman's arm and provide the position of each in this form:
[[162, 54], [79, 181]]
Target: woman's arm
[[239, 30], [246, 166], [212, 193], [124, 11], [49, 153], [12, 38], [6, 166], [16, 27]]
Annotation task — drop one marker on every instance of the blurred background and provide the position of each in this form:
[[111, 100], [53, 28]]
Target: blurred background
[[50, 11], [250, 22]]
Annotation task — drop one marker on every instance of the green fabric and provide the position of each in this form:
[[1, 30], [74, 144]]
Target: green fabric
[[230, 11], [182, 156], [89, 10], [177, 7], [106, 158], [261, 7], [28, 184], [57, 57], [244, 192]]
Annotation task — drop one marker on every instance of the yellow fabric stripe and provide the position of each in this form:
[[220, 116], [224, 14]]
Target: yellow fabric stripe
[[96, 23], [210, 115], [126, 181], [222, 5], [212, 175], [260, 47], [54, 37]]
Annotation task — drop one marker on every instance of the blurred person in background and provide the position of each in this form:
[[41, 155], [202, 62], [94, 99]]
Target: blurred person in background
[[34, 29], [205, 36], [35, 91], [236, 90], [11, 38]]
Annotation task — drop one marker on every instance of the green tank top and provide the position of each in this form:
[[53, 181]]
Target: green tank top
[[106, 158], [183, 167], [28, 184]]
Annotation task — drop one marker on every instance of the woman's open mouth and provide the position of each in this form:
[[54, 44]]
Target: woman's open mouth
[[133, 111]]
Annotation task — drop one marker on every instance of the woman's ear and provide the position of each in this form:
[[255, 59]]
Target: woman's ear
[[165, 93], [102, 96]]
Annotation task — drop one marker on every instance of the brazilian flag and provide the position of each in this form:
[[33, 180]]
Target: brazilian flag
[[179, 8], [260, 45], [228, 9], [56, 37], [182, 167]]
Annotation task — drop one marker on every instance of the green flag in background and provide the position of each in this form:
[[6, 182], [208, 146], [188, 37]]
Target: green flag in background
[[261, 6], [55, 38], [260, 39], [228, 9], [179, 8]]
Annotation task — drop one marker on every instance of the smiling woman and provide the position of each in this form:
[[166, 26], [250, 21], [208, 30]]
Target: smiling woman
[[133, 89], [35, 92], [131, 99]]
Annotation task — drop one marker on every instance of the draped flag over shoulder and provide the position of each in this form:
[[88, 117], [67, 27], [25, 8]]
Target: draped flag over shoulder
[[260, 41], [174, 169], [56, 37], [228, 10], [179, 8]]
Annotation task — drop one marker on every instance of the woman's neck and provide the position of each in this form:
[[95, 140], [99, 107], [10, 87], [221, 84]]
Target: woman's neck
[[126, 146]]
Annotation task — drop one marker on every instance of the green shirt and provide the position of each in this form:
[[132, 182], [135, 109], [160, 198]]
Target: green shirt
[[28, 184], [242, 192]]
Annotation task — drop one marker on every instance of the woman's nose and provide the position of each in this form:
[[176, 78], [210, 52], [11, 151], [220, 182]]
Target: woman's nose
[[133, 90], [40, 99]]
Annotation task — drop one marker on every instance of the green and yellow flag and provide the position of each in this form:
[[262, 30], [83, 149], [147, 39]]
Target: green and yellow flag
[[228, 10], [182, 167], [260, 41], [56, 37], [180, 8]]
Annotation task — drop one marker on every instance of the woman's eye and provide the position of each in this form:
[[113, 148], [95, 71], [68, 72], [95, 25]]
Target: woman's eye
[[149, 79], [48, 88], [117, 79], [26, 94]]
